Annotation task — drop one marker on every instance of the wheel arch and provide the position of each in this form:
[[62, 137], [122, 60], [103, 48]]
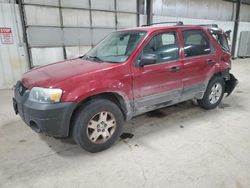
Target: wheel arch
[[230, 80], [223, 74], [121, 101]]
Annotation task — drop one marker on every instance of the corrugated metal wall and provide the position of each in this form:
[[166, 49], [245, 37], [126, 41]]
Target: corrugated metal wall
[[61, 29], [13, 59], [202, 9]]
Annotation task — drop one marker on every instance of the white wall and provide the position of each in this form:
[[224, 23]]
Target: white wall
[[13, 59]]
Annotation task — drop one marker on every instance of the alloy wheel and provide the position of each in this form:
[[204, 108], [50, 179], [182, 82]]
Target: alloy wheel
[[101, 127], [215, 93]]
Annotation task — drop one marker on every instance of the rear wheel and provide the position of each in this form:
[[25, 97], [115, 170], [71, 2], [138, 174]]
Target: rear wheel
[[214, 93], [98, 125]]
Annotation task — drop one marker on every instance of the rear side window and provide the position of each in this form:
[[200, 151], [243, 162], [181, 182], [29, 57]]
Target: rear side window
[[196, 43], [222, 40]]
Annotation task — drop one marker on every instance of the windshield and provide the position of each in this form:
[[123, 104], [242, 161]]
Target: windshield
[[116, 47]]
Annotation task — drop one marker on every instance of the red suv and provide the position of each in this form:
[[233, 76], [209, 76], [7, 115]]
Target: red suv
[[130, 72]]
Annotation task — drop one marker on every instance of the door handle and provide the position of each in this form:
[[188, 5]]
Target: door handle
[[210, 62], [174, 69]]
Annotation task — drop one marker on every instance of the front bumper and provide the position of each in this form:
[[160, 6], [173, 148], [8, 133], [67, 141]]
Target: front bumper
[[50, 119]]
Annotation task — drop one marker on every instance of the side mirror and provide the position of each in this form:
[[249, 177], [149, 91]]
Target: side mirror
[[147, 59]]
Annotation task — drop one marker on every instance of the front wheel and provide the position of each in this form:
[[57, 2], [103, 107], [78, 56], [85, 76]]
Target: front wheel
[[98, 125], [214, 94]]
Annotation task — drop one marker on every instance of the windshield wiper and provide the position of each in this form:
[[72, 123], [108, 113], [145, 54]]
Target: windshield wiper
[[95, 58]]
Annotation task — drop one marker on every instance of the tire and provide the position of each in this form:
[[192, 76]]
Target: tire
[[97, 125], [210, 103]]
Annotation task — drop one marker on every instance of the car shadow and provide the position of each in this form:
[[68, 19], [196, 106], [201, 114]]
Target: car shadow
[[151, 123]]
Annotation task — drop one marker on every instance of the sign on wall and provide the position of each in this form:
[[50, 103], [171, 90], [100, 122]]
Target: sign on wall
[[6, 35]]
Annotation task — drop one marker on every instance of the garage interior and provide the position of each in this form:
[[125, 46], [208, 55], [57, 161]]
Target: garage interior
[[178, 146]]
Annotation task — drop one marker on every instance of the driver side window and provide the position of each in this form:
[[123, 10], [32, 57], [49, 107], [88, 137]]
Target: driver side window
[[164, 46]]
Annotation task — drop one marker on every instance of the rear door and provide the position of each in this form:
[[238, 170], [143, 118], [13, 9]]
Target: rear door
[[199, 62], [159, 84]]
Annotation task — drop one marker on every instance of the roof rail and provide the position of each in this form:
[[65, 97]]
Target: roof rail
[[177, 23], [210, 25]]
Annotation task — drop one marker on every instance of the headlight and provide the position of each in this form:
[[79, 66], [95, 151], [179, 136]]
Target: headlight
[[45, 95]]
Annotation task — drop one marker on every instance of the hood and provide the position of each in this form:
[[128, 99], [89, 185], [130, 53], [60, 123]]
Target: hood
[[49, 75]]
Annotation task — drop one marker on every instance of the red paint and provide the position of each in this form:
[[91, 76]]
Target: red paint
[[5, 30], [80, 79]]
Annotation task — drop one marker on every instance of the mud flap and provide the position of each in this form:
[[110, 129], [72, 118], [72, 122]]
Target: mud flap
[[230, 84]]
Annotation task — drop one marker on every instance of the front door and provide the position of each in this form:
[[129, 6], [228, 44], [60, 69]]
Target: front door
[[158, 85]]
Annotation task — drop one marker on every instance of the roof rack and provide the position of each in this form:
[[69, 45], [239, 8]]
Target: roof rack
[[177, 23], [210, 25]]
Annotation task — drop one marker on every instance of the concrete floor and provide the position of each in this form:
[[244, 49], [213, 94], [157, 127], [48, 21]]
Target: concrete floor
[[181, 146]]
